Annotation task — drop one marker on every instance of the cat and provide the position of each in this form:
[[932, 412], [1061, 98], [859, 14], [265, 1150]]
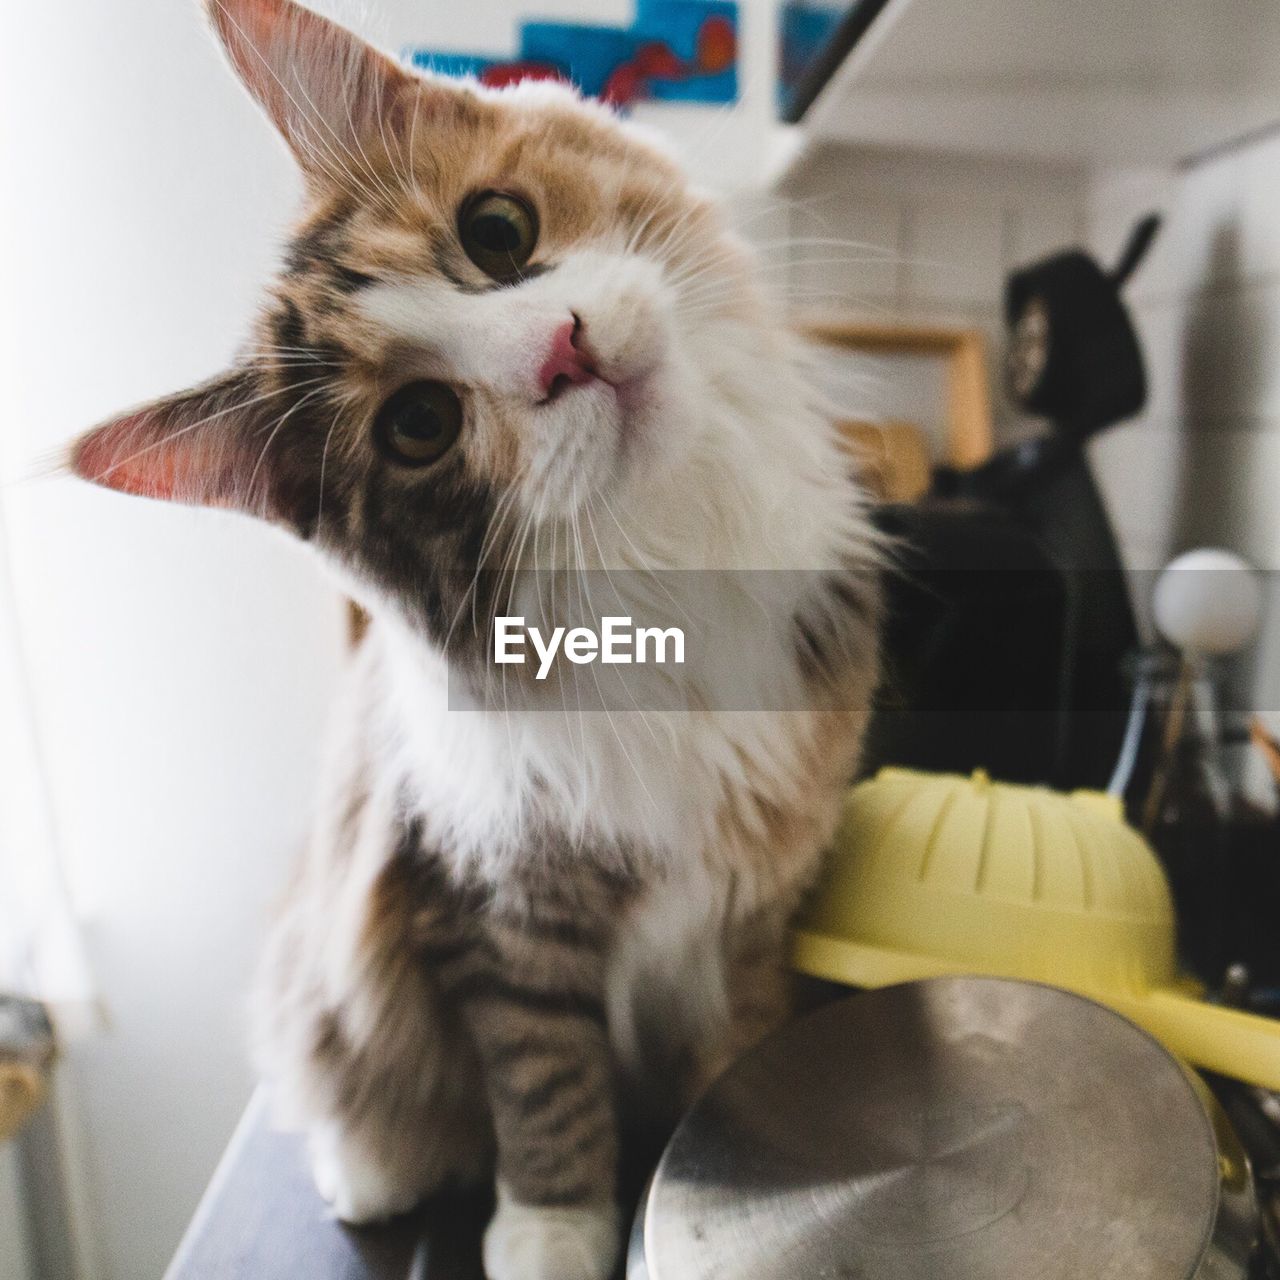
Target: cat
[[506, 317]]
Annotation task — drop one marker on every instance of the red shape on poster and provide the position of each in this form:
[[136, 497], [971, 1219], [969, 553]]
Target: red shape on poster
[[717, 45], [624, 85], [657, 61], [507, 73]]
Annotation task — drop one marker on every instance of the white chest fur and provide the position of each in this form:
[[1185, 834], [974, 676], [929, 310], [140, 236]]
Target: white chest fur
[[653, 785]]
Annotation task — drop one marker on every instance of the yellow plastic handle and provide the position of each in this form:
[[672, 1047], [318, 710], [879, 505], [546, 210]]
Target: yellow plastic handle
[[1233, 1043], [1242, 1045]]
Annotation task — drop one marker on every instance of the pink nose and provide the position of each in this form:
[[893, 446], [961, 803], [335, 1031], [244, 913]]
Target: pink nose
[[567, 364]]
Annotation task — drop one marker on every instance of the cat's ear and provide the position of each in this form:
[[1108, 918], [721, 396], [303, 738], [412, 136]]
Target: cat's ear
[[329, 93], [202, 446]]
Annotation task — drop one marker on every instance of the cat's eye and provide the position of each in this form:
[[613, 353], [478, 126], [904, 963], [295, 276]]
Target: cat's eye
[[499, 233], [419, 423]]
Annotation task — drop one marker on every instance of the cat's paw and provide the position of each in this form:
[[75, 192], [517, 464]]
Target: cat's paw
[[529, 1242], [357, 1191]]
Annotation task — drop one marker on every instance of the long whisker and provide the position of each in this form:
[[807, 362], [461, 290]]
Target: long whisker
[[591, 524]]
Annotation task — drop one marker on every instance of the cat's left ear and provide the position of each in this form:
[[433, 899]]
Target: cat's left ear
[[331, 95], [203, 447]]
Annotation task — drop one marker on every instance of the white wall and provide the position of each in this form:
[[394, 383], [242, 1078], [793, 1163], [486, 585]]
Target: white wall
[[1207, 304], [181, 661], [1201, 464], [483, 26]]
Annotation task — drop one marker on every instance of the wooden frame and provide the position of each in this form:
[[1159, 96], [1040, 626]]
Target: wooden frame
[[970, 427]]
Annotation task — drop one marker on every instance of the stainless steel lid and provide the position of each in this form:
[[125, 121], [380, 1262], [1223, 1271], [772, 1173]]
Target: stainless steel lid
[[956, 1129]]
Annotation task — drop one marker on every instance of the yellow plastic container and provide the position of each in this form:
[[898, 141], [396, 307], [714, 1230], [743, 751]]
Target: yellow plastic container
[[937, 874]]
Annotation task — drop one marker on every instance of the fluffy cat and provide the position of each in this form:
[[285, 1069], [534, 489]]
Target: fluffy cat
[[510, 335]]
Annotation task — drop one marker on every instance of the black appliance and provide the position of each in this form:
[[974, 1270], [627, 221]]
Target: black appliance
[[1009, 612]]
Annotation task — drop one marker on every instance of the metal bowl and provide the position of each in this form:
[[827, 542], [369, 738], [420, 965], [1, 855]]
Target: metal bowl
[[952, 1129]]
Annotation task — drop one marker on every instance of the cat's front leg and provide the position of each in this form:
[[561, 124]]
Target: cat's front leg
[[536, 1011]]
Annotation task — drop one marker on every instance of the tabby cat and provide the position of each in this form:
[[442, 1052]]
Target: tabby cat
[[510, 335]]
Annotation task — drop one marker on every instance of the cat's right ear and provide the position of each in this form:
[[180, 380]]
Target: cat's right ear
[[205, 447], [331, 95]]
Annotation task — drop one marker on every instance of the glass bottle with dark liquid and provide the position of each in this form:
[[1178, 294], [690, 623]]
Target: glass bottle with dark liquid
[[1176, 792]]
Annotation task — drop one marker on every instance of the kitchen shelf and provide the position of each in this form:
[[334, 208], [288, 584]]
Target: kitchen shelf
[[1070, 81]]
